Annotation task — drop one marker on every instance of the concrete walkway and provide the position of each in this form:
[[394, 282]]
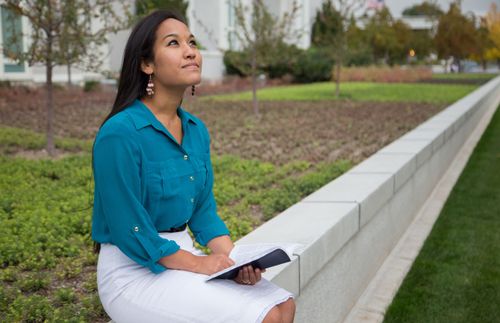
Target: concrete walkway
[[377, 297]]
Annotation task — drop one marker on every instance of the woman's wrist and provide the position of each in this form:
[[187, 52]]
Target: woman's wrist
[[221, 245], [181, 260]]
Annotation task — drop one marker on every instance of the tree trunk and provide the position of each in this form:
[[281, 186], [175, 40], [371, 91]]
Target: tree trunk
[[50, 100], [68, 66], [337, 76], [254, 83]]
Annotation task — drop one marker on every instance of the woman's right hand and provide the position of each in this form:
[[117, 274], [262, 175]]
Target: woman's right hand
[[213, 263]]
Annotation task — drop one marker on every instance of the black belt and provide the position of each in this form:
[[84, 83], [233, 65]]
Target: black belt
[[178, 229]]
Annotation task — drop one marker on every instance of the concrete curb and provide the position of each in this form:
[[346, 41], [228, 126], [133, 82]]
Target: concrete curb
[[352, 224], [377, 297]]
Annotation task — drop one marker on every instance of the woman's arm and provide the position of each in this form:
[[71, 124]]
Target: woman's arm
[[221, 245], [184, 260]]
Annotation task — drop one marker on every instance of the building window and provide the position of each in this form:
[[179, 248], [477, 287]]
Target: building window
[[12, 38]]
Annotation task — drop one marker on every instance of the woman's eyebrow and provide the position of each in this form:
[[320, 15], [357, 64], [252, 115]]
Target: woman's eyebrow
[[176, 35]]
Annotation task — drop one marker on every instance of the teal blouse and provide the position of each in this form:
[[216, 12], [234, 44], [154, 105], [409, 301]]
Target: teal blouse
[[146, 182]]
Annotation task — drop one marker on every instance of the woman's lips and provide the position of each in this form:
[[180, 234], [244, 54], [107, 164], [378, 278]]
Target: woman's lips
[[191, 66]]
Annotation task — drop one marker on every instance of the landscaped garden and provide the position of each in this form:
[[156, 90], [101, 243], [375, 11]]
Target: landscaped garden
[[262, 165]]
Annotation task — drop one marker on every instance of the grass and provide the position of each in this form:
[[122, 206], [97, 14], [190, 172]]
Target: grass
[[358, 91], [463, 76], [456, 276]]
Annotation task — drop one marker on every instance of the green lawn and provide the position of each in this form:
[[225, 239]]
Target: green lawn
[[456, 276], [359, 91]]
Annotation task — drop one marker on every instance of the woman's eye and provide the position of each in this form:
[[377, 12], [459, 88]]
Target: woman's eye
[[194, 43], [172, 42]]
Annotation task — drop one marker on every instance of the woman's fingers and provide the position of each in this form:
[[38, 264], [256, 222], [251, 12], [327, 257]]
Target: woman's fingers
[[252, 275], [248, 275], [245, 276], [257, 275]]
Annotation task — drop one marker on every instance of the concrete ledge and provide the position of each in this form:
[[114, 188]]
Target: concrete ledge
[[370, 191], [351, 224]]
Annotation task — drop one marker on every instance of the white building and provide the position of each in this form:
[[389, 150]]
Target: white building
[[211, 21]]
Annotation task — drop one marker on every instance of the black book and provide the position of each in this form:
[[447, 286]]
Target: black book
[[258, 256]]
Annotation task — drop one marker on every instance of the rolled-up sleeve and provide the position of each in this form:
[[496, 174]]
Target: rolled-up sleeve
[[116, 167], [205, 223]]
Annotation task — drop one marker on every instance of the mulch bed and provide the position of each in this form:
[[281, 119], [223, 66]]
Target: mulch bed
[[284, 131]]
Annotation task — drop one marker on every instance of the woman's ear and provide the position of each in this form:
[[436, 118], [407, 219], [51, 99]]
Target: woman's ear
[[147, 67]]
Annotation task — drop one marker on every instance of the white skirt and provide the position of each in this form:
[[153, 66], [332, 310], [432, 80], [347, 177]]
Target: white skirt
[[130, 292]]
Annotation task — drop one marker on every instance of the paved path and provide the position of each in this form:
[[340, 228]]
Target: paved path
[[373, 303]]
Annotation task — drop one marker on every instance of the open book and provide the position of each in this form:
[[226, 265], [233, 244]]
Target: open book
[[258, 255]]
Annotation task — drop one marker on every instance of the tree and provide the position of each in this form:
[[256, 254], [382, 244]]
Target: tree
[[483, 43], [389, 39], [80, 45], [53, 34], [455, 35], [330, 30], [143, 7], [492, 21], [262, 38], [426, 8], [359, 51]]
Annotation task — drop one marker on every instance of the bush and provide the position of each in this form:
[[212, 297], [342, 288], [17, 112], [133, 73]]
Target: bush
[[384, 74], [238, 63], [233, 59], [313, 65], [285, 63], [361, 55], [34, 308], [5, 83], [65, 295], [90, 86]]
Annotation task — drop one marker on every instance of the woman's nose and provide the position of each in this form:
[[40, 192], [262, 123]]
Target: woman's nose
[[190, 51]]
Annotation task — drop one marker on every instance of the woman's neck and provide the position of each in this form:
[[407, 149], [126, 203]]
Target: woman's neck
[[164, 104]]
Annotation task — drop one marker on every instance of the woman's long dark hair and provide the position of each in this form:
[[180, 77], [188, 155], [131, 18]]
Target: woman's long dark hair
[[139, 48]]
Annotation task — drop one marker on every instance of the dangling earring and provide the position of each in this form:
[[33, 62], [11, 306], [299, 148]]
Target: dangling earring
[[192, 90], [150, 87]]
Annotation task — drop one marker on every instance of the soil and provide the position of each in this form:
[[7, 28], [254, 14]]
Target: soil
[[284, 131]]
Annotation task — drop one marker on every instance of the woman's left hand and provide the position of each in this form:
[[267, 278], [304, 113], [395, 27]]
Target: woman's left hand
[[248, 275]]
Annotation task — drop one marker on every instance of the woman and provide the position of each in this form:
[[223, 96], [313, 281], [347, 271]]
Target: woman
[[153, 179]]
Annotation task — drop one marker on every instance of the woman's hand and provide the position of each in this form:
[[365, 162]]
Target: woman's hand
[[212, 263], [248, 275]]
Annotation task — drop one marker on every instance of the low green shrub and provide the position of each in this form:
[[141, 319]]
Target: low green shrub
[[65, 295], [33, 282], [313, 65], [14, 139], [90, 86], [33, 308], [45, 224]]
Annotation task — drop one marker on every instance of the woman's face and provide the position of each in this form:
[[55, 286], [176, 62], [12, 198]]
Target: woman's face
[[177, 60]]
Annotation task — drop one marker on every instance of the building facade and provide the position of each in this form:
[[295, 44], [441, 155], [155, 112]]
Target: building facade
[[211, 21]]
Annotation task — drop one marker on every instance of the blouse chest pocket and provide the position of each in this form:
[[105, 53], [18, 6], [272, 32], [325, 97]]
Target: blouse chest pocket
[[176, 177]]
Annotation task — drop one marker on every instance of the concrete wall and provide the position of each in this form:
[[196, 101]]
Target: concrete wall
[[350, 225]]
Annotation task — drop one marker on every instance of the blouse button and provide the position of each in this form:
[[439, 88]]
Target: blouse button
[[185, 157], [136, 229], [191, 178], [192, 200]]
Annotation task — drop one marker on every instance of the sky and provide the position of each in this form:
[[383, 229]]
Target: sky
[[478, 7]]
